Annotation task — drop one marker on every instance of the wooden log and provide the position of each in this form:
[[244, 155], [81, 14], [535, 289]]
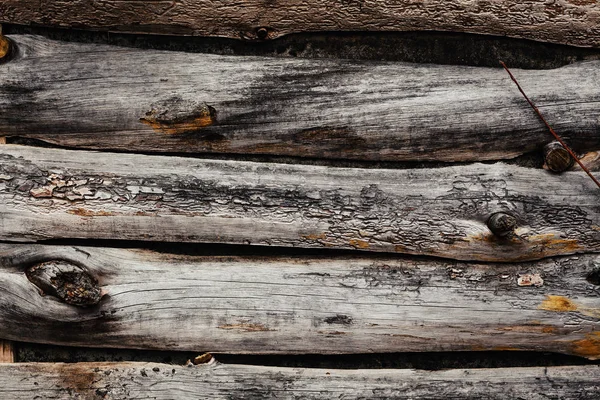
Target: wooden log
[[573, 22], [52, 193], [301, 305], [109, 97], [220, 381]]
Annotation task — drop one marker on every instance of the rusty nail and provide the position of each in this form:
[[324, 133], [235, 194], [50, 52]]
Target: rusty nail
[[262, 33], [502, 224], [557, 158]]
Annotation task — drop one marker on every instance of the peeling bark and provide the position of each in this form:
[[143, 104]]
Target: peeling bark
[[51, 194], [573, 22]]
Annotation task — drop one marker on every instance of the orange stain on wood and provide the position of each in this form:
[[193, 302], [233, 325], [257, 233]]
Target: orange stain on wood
[[201, 118], [4, 46], [82, 212], [530, 328], [588, 347], [359, 244], [558, 303], [315, 236]]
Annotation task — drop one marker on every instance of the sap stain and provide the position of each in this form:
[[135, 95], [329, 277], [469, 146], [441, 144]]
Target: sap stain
[[588, 347], [558, 303], [83, 212], [359, 244]]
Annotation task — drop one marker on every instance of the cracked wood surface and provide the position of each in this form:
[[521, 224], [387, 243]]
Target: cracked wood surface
[[573, 22], [109, 97], [305, 304], [53, 193], [128, 380]]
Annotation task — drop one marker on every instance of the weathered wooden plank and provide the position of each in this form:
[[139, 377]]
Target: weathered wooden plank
[[221, 381], [52, 193], [108, 97], [298, 305], [573, 22]]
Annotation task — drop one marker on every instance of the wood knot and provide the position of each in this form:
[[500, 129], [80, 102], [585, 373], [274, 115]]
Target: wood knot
[[262, 33], [70, 283], [557, 158], [502, 224], [594, 277], [176, 116], [6, 48], [259, 33]]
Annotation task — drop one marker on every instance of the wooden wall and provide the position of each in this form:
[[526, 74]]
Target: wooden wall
[[366, 205]]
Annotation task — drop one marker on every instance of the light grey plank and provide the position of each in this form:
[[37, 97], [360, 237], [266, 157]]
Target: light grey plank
[[51, 194], [304, 304], [218, 381]]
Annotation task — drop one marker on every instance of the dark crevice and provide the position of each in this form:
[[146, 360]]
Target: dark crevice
[[28, 352], [260, 251], [529, 160], [417, 47]]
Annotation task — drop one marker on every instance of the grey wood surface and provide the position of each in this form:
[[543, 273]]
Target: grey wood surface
[[314, 305], [109, 97], [573, 22], [53, 194], [220, 381]]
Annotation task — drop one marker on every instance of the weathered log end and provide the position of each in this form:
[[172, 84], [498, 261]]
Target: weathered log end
[[176, 116], [557, 158], [66, 281]]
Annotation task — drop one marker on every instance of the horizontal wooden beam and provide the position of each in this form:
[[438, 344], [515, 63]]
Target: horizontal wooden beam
[[52, 193], [561, 21], [219, 381], [110, 97], [249, 305]]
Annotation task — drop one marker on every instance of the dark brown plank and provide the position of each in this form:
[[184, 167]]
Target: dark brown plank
[[573, 22], [109, 97]]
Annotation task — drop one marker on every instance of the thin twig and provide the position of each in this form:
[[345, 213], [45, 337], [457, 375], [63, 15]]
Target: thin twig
[[583, 167]]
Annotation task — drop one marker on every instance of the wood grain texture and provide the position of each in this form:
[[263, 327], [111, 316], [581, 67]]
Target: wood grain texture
[[109, 97], [6, 352], [220, 381], [573, 22], [52, 193], [306, 304]]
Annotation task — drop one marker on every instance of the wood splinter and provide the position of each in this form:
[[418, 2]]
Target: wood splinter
[[567, 148]]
